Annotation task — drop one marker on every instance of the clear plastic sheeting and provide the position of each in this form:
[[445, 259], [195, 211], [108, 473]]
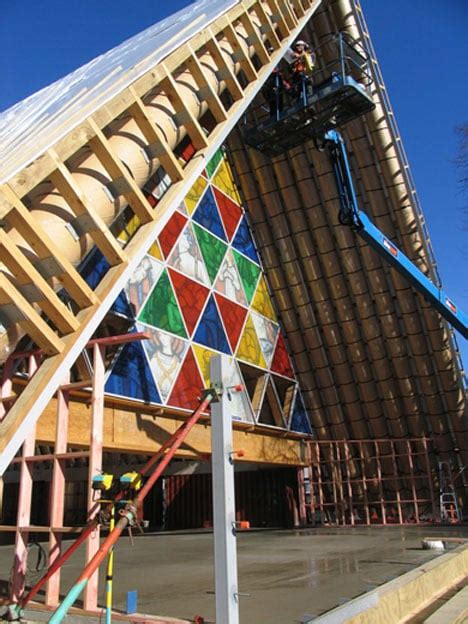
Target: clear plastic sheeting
[[33, 125]]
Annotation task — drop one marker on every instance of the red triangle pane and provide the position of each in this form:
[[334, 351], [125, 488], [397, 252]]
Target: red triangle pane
[[191, 296], [233, 316], [281, 363], [170, 232], [230, 212], [188, 386]]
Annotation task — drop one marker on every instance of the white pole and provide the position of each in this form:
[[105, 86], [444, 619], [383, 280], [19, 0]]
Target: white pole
[[224, 507]]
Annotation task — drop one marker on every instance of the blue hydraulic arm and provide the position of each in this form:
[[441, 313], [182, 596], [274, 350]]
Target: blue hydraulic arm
[[351, 215]]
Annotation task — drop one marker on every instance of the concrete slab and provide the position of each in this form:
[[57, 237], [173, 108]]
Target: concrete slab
[[287, 575]]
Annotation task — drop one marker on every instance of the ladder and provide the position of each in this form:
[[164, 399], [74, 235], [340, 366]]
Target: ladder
[[449, 509]]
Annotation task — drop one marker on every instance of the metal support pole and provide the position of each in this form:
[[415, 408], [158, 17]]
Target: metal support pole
[[224, 508]]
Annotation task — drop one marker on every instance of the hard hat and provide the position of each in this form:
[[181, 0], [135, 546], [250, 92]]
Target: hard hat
[[301, 42]]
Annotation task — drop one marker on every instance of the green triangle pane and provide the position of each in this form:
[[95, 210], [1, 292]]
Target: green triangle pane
[[213, 250], [249, 273], [214, 162], [161, 309]]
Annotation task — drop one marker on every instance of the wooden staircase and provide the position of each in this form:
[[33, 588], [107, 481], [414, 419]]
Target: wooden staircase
[[244, 44]]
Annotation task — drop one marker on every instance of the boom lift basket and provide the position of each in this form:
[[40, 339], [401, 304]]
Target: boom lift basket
[[340, 93]]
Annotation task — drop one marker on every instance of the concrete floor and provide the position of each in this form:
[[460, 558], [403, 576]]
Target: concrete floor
[[287, 574]]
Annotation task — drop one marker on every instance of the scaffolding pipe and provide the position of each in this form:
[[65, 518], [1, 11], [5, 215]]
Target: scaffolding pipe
[[129, 514]]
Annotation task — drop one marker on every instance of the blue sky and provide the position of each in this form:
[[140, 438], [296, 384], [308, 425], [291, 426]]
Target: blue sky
[[421, 45]]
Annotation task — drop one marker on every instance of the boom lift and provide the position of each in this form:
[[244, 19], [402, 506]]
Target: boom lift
[[341, 93]]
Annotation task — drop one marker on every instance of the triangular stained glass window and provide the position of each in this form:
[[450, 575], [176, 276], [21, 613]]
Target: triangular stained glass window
[[192, 197], [131, 375], [230, 212], [224, 180], [249, 348], [191, 296], [170, 232], [233, 316], [249, 273], [207, 215], [281, 363], [188, 386], [186, 257], [165, 355], [262, 302], [229, 282], [213, 250], [161, 309], [214, 162], [299, 420], [243, 241], [266, 332], [210, 331]]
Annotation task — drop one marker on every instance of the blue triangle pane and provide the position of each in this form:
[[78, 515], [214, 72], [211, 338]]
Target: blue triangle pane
[[131, 376], [210, 331], [243, 241], [207, 215], [300, 421], [92, 270]]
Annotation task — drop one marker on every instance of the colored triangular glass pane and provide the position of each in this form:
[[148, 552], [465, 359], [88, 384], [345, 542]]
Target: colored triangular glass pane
[[229, 282], [165, 355], [131, 375], [299, 420], [129, 228], [281, 363], [262, 302], [243, 241], [191, 296], [207, 215], [161, 309], [230, 212], [233, 316], [214, 162], [188, 385], [266, 332], [142, 281], [249, 273], [170, 232], [192, 197], [213, 250], [204, 356], [224, 180], [249, 348], [186, 257], [210, 330]]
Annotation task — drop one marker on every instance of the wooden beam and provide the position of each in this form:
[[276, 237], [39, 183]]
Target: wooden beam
[[240, 55], [28, 318], [206, 93], [117, 170], [254, 38], [266, 25], [25, 274], [224, 71], [159, 148], [183, 113], [278, 17], [78, 202], [35, 235], [288, 13]]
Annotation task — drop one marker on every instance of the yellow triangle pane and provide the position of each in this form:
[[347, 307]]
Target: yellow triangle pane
[[203, 356], [155, 251], [224, 180], [262, 302], [192, 197], [249, 348]]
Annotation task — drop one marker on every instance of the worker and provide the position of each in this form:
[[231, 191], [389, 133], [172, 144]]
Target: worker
[[274, 91], [302, 62]]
